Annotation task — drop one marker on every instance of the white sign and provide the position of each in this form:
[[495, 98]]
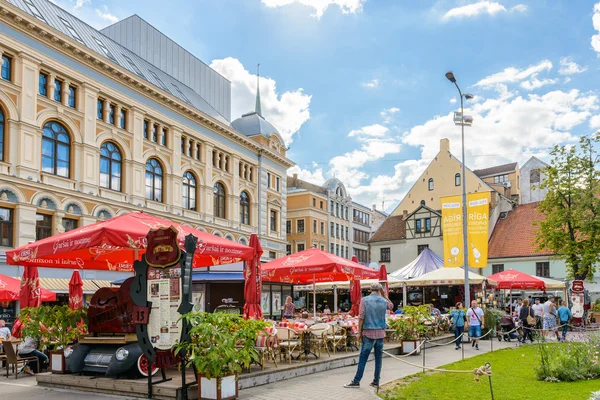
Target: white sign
[[164, 327]]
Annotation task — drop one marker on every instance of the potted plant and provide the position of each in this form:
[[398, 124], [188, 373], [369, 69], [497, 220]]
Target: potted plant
[[56, 327], [411, 327], [220, 346]]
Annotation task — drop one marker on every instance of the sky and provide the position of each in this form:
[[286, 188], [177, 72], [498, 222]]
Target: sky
[[357, 87]]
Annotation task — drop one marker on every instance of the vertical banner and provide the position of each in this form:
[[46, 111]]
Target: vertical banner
[[452, 231], [477, 227]]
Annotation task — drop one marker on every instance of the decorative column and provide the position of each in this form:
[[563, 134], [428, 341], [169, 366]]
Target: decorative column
[[51, 85], [118, 116], [106, 111], [65, 92], [159, 134]]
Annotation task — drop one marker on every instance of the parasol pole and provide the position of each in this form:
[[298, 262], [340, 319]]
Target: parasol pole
[[335, 299], [314, 297], [404, 294]]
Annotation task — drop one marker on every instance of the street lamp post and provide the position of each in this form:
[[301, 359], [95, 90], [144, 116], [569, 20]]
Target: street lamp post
[[450, 76]]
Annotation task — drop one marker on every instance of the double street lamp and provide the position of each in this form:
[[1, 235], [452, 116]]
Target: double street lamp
[[462, 121]]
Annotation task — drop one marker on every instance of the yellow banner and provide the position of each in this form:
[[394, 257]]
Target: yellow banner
[[478, 211], [452, 231]]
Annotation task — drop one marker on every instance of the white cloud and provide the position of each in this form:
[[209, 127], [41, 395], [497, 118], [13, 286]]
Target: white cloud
[[535, 83], [512, 74], [287, 111], [80, 3], [595, 122], [375, 130], [106, 15], [569, 67], [596, 23], [481, 7], [453, 100], [388, 114], [316, 177], [320, 6], [372, 84]]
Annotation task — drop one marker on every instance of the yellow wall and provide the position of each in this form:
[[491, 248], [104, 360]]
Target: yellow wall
[[300, 207]]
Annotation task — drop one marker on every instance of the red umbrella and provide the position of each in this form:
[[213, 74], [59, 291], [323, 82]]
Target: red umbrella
[[75, 291], [10, 289], [114, 244], [511, 279], [30, 294], [355, 296], [253, 283], [383, 279], [354, 259]]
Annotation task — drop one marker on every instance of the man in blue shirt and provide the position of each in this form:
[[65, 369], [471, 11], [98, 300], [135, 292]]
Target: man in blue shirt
[[399, 310], [564, 315]]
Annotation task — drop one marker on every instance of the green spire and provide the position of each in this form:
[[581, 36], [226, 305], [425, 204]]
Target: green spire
[[257, 107]]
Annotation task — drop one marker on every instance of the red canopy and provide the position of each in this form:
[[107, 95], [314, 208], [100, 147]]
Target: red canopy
[[30, 294], [314, 265], [383, 279], [10, 289], [355, 296], [511, 279], [253, 283], [112, 245], [75, 291]]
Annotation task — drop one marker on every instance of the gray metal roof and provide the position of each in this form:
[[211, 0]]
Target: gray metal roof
[[252, 123], [62, 21]]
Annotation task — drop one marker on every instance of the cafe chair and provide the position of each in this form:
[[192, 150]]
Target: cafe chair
[[336, 336], [265, 345], [287, 342], [13, 359], [319, 339]]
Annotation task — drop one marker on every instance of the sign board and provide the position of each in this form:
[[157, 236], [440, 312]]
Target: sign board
[[577, 286], [164, 292], [162, 250]]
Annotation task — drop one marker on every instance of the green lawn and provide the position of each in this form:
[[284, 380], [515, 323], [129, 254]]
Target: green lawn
[[513, 377]]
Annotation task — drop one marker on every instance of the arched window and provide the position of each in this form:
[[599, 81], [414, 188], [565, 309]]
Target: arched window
[[154, 180], [243, 241], [189, 191], [56, 149], [111, 164], [2, 139], [219, 206], [430, 184], [244, 208], [457, 180]]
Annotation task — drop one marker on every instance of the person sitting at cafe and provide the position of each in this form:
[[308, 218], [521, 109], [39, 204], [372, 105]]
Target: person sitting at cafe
[[326, 310], [29, 348], [4, 331], [399, 310], [434, 311]]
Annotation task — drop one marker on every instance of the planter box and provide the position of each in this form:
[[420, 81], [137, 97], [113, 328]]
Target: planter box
[[409, 346], [224, 388], [57, 362]]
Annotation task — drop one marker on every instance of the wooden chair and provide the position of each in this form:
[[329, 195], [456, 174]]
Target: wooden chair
[[287, 342], [265, 346], [336, 336], [319, 341], [13, 359]]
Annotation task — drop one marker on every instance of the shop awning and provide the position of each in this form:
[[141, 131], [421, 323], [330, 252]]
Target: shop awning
[[61, 285]]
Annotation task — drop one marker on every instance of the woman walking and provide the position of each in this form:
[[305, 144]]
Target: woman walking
[[457, 319], [525, 312]]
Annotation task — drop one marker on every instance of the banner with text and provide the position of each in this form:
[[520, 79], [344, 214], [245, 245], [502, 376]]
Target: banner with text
[[452, 231], [478, 211]]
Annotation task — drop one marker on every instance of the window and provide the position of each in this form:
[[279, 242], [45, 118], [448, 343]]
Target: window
[[277, 181], [154, 180], [56, 149], [418, 226], [288, 226], [105, 50], [347, 237], [542, 269], [288, 249], [100, 109], [361, 236], [427, 224], [160, 83], [315, 226], [314, 202], [497, 268], [163, 141], [111, 166], [337, 249], [300, 226], [346, 213], [155, 135], [6, 227], [269, 180], [272, 255], [181, 95], [219, 199], [384, 254], [134, 67], [421, 247], [346, 251], [342, 232], [300, 247], [361, 255], [72, 96], [322, 228], [501, 178], [33, 9], [69, 224], [43, 226], [43, 84], [58, 90], [331, 248], [146, 123], [274, 221], [430, 184], [6, 68], [244, 208], [322, 247], [331, 206], [534, 176], [337, 210], [331, 227], [123, 119], [71, 30], [1, 135], [457, 180], [111, 114], [321, 205], [361, 217], [337, 230], [189, 191]]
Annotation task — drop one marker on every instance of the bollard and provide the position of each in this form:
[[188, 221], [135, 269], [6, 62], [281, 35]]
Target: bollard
[[487, 364], [462, 347], [492, 338], [423, 351]]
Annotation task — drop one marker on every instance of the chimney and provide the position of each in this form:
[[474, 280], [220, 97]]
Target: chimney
[[444, 145], [404, 214], [374, 207]]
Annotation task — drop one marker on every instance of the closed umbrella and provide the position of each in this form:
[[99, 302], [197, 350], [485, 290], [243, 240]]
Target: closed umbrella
[[253, 282], [383, 279], [30, 294], [355, 296], [75, 291]]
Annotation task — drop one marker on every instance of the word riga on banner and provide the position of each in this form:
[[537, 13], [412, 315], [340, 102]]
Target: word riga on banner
[[477, 228]]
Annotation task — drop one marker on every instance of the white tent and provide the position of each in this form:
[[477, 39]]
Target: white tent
[[552, 284], [426, 262], [364, 283], [445, 276]]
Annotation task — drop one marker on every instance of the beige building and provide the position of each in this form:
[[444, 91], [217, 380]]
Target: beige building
[[506, 179], [90, 130]]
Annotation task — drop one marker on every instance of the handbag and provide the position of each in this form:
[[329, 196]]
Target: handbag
[[530, 319]]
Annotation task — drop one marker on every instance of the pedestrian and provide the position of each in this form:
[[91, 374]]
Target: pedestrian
[[538, 310], [526, 311], [4, 331], [371, 332], [518, 307], [564, 316], [458, 319], [475, 318], [549, 317], [29, 348], [289, 308]]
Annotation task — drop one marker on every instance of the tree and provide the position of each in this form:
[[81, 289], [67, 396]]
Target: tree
[[570, 227]]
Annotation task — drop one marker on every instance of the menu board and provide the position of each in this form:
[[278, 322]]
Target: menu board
[[164, 291]]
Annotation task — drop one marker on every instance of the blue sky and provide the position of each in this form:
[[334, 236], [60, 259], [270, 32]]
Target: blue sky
[[357, 87]]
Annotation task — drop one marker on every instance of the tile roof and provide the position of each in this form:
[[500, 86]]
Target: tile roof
[[295, 183], [514, 236], [393, 228], [497, 170]]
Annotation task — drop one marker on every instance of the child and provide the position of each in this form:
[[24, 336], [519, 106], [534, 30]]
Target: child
[[564, 315]]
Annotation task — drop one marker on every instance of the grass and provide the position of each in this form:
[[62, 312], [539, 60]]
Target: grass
[[513, 377]]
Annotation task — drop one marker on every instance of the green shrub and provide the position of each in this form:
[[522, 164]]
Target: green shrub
[[569, 362], [491, 319]]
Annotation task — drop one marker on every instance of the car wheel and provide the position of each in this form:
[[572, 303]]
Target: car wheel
[[143, 366]]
